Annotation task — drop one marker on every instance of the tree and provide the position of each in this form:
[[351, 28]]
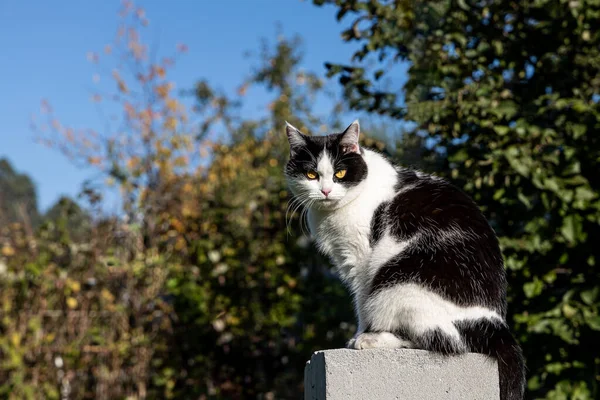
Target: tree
[[70, 218], [148, 138], [18, 197], [508, 92]]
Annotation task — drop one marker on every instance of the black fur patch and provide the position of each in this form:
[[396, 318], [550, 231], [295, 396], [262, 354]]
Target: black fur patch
[[406, 177], [378, 223], [437, 340]]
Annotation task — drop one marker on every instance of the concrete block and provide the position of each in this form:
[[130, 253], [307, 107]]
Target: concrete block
[[402, 374]]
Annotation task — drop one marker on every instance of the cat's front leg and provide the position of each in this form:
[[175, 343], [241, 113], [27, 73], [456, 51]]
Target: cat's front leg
[[373, 340]]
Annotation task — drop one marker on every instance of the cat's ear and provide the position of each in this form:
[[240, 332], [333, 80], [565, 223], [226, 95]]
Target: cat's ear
[[297, 140], [349, 140]]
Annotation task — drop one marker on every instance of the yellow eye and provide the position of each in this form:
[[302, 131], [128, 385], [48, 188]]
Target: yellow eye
[[340, 174], [311, 175]]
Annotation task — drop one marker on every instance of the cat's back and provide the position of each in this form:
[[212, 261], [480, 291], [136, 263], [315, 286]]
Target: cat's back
[[432, 205], [445, 243]]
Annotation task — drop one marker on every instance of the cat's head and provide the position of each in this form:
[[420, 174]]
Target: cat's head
[[325, 171]]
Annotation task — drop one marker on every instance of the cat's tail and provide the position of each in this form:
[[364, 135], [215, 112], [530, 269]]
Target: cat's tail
[[494, 339]]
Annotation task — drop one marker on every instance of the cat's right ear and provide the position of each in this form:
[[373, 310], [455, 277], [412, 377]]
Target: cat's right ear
[[297, 140], [349, 140]]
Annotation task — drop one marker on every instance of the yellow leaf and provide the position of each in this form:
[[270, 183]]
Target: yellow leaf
[[72, 302], [75, 286], [233, 320], [171, 123], [172, 104], [106, 295], [180, 244], [180, 161], [7, 250], [163, 90], [15, 339]]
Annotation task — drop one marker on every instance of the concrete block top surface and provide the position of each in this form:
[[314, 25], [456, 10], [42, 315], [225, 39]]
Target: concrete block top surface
[[402, 374]]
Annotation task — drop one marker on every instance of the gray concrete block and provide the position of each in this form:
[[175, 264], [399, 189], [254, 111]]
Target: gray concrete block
[[402, 374]]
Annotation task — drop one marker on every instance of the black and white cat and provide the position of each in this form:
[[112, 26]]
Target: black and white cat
[[422, 263]]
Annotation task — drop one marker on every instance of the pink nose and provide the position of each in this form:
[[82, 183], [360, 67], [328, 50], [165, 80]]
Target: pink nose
[[326, 192]]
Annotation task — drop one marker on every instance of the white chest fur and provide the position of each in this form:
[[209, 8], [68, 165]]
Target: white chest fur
[[343, 234]]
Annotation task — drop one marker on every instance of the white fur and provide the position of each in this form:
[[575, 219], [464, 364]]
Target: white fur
[[342, 229], [386, 248], [415, 310], [374, 340], [326, 171]]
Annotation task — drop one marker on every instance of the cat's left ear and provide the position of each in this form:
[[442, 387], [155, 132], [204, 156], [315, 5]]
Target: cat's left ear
[[349, 141], [295, 137]]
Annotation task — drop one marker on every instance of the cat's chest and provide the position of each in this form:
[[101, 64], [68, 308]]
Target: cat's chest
[[343, 234]]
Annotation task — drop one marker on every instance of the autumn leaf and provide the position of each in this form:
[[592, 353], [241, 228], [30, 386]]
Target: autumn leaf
[[163, 89], [160, 71], [8, 250], [95, 160], [72, 302], [172, 104]]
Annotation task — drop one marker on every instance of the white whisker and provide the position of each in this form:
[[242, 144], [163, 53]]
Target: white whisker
[[297, 202]]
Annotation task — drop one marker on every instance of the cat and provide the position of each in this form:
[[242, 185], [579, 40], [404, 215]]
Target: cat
[[422, 263]]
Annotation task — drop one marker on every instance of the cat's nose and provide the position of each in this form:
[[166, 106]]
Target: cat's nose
[[326, 191]]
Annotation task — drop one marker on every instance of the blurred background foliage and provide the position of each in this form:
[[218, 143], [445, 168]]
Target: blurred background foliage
[[207, 286]]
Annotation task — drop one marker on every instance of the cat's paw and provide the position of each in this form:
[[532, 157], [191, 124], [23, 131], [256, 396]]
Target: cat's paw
[[374, 340], [350, 344]]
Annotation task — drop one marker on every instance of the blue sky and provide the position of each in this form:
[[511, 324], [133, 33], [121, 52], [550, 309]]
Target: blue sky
[[45, 45]]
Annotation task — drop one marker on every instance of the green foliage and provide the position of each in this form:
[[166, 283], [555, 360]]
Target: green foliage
[[70, 218], [18, 198], [253, 303], [508, 92], [79, 320]]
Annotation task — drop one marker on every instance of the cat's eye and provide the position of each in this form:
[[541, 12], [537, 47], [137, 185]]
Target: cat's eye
[[311, 175], [340, 174]]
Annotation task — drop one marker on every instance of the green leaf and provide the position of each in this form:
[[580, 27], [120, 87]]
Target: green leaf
[[578, 130], [572, 229], [506, 109], [584, 193], [590, 296], [534, 288], [501, 130], [594, 322], [524, 200]]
